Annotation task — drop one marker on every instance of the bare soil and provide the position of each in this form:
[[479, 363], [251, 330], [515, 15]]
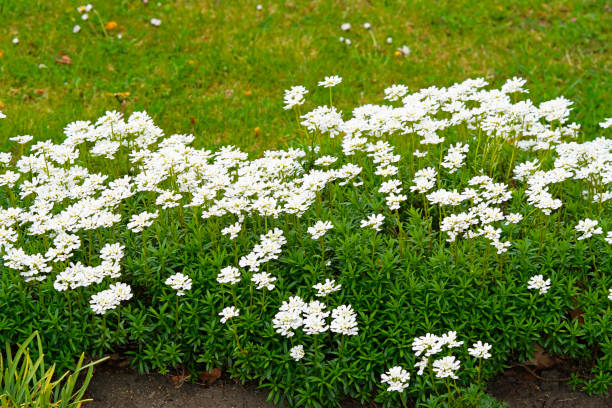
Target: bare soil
[[111, 388], [520, 388], [114, 387]]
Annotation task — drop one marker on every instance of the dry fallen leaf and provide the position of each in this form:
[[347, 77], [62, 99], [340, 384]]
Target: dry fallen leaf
[[541, 359], [179, 379], [64, 59], [257, 131], [209, 377]]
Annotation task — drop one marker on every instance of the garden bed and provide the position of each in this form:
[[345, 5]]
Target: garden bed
[[121, 387]]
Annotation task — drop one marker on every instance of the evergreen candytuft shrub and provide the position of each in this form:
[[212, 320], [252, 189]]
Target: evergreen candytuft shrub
[[402, 254]]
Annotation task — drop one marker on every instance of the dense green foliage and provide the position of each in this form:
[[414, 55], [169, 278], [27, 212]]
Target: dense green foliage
[[192, 73]]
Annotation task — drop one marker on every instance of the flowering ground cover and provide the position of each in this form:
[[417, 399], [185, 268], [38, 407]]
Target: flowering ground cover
[[401, 250], [448, 229]]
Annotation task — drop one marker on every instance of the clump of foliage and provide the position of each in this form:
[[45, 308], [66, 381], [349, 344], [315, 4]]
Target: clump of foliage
[[25, 382], [449, 230]]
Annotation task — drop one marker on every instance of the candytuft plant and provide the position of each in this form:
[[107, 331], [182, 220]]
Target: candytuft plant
[[359, 264]]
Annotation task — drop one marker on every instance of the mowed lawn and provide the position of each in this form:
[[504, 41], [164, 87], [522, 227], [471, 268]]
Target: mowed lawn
[[217, 69]]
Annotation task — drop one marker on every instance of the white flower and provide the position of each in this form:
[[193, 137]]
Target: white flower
[[588, 228], [450, 340], [232, 230], [428, 345], [397, 378], [347, 41], [325, 161], [606, 123], [294, 96], [229, 274], [228, 313], [344, 321], [110, 298], [179, 282], [85, 9], [395, 92], [297, 352], [373, 221], [15, 40], [259, 7], [345, 26], [389, 40], [2, 115], [139, 222], [319, 229], [608, 237], [367, 26], [167, 199], [155, 21], [109, 252], [263, 280], [513, 218], [76, 28], [538, 282], [480, 350], [85, 16], [405, 50], [330, 81], [610, 295], [422, 365], [324, 289], [446, 367]]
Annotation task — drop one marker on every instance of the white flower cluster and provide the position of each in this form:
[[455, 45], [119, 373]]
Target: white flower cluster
[[330, 81], [444, 367], [229, 274], [312, 318], [229, 313], [538, 283], [397, 379], [373, 221], [430, 345], [110, 298], [138, 222], [480, 350], [319, 229], [297, 352], [179, 282], [588, 228], [65, 200], [294, 96], [455, 157], [324, 289], [424, 180], [478, 220], [79, 275], [268, 249]]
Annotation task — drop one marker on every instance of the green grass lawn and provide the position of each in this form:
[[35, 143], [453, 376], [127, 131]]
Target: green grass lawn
[[218, 69]]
